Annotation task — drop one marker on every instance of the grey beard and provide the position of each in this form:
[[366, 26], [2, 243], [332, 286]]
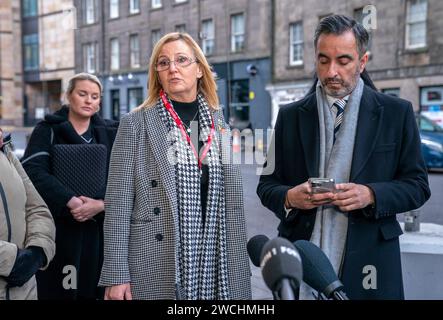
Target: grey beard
[[346, 90]]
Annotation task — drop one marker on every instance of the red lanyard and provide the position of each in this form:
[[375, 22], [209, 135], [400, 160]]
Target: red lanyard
[[179, 124]]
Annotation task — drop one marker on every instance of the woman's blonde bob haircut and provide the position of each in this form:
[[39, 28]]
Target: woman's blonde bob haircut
[[82, 76], [206, 84]]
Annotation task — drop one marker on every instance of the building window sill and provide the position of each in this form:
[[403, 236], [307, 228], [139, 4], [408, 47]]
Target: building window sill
[[300, 65], [424, 49], [174, 4]]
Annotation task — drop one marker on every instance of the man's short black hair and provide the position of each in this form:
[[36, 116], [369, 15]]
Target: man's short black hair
[[339, 24]]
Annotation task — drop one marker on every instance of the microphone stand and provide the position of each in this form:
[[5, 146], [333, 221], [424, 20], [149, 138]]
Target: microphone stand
[[285, 292], [339, 295], [336, 295], [319, 296]]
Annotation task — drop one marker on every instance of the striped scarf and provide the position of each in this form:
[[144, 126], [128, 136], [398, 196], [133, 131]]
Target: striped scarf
[[201, 262]]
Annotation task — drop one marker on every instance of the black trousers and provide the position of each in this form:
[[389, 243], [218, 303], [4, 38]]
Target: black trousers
[[74, 272]]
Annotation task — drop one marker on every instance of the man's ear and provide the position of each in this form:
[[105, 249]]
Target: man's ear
[[364, 61]]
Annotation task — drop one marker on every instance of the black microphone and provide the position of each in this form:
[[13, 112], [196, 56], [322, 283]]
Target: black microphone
[[255, 246], [281, 268], [318, 272]]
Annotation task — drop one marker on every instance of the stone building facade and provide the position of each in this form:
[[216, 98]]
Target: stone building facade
[[10, 64], [405, 53], [115, 39], [48, 28]]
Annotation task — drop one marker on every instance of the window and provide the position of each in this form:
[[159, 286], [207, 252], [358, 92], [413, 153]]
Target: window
[[113, 9], [156, 4], [30, 8], [180, 1], [134, 6], [296, 44], [359, 16], [431, 103], [239, 104], [89, 11], [155, 36], [135, 98], [134, 48], [90, 57], [30, 48], [115, 54], [115, 104], [237, 32], [180, 28], [208, 36], [416, 24]]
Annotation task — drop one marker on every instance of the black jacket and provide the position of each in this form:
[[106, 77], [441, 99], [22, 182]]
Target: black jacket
[[387, 158], [56, 129], [78, 244]]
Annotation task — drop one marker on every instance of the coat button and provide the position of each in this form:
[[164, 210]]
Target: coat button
[[159, 236], [154, 183], [157, 211]]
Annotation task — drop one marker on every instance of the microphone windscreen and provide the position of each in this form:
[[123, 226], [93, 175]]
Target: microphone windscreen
[[255, 246], [280, 260], [318, 272]]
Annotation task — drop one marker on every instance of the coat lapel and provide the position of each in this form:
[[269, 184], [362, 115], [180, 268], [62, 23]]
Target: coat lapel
[[309, 134], [368, 128], [158, 137]]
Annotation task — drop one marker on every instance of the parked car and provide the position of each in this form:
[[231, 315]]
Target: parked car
[[431, 135]]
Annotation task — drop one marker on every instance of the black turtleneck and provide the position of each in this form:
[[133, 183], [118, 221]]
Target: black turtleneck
[[188, 111]]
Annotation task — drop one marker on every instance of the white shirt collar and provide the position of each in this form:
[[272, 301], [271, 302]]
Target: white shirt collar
[[331, 100]]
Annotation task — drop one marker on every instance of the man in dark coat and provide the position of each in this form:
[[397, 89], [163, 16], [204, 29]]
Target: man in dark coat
[[369, 143]]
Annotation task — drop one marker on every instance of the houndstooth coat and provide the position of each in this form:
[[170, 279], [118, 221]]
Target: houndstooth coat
[[140, 204]]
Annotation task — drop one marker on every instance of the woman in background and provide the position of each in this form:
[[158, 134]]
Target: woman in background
[[78, 219]]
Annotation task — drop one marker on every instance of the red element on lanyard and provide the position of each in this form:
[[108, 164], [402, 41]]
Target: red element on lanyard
[[179, 124]]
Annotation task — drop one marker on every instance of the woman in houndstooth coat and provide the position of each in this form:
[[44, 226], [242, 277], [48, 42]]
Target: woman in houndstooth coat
[[175, 224]]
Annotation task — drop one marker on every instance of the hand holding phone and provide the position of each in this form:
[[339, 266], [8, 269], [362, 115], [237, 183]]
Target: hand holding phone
[[322, 185]]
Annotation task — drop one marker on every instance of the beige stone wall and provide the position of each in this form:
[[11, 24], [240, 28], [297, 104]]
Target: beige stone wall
[[10, 63], [56, 39]]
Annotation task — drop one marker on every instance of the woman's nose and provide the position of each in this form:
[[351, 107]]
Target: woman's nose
[[88, 98], [172, 66]]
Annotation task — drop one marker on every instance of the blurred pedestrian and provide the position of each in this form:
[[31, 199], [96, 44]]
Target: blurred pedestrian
[[27, 230]]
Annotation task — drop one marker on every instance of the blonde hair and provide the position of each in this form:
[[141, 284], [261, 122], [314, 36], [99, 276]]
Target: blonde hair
[[206, 84], [82, 76]]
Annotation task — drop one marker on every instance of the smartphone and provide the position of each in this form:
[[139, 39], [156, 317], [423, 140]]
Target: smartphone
[[322, 185]]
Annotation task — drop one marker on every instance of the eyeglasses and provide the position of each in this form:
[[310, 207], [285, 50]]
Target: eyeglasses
[[181, 61]]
